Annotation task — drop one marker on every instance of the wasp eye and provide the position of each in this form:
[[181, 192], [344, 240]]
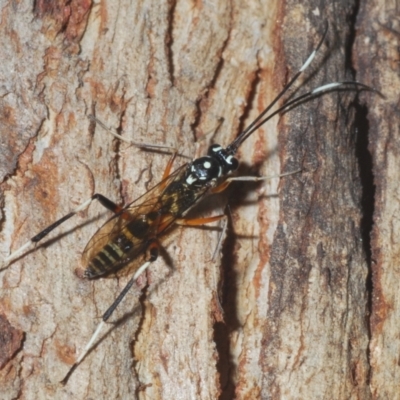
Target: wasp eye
[[233, 163]]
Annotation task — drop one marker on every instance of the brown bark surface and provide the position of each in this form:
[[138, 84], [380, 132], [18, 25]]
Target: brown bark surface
[[378, 60], [282, 313]]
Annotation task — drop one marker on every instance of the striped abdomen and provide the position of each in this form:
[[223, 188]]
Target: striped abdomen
[[107, 253]]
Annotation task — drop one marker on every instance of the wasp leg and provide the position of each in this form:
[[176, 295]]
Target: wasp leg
[[204, 221], [168, 168], [220, 188], [153, 251], [256, 178], [104, 201], [198, 221], [166, 149], [221, 237]]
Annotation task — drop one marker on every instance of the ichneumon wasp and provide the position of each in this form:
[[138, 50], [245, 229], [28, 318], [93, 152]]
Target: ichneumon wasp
[[133, 233]]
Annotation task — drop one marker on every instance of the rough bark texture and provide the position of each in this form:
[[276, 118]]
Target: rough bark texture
[[282, 313], [378, 60]]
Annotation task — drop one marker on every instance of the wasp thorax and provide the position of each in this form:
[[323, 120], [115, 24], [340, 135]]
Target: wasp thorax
[[203, 170], [216, 164]]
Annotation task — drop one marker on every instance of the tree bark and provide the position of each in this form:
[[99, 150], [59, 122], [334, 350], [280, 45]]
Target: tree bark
[[377, 58], [283, 310]]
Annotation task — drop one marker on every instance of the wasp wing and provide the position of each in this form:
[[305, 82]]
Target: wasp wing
[[117, 229]]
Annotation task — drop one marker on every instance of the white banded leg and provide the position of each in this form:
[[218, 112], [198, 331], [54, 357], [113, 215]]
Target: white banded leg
[[110, 311], [37, 238]]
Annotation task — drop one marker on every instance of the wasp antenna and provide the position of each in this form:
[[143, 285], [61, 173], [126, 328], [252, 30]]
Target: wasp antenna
[[232, 148], [344, 85], [312, 55], [334, 85], [314, 93]]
